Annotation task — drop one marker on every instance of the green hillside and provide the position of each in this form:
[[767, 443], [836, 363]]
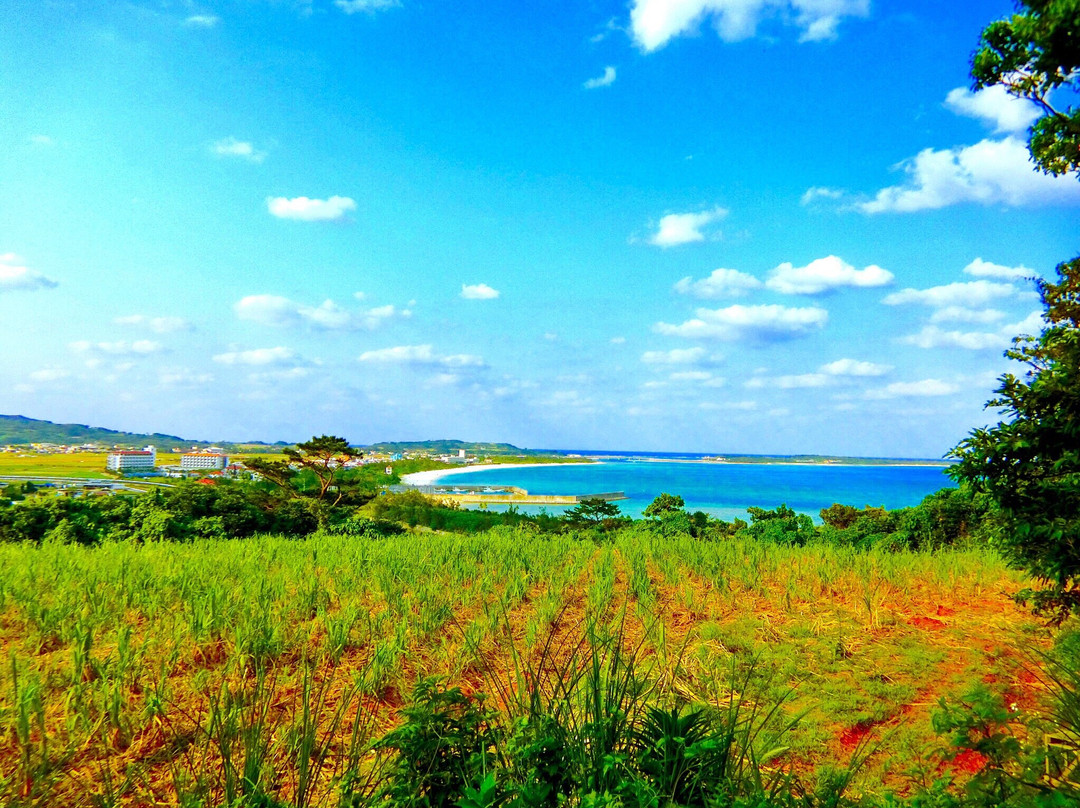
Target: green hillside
[[450, 447], [17, 429]]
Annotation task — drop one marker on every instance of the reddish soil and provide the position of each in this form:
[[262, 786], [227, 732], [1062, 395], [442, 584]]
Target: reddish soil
[[927, 623], [851, 737], [968, 762]]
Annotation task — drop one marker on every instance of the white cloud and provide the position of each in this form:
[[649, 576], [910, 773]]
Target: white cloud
[[691, 376], [41, 140], [605, 80], [678, 356], [825, 275], [279, 375], [274, 310], [367, 6], [655, 22], [310, 210], [962, 314], [989, 173], [267, 310], [815, 193], [932, 336], [245, 150], [753, 323], [478, 291], [994, 106], [140, 347], [923, 388], [279, 355], [375, 317], [720, 283], [15, 276], [1032, 325], [984, 269], [742, 406], [445, 379], [966, 294], [853, 367], [685, 228], [201, 21], [183, 377], [419, 355], [49, 375], [618, 340], [789, 382], [159, 325], [328, 315]]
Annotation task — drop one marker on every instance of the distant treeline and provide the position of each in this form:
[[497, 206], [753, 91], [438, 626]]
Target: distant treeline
[[18, 430], [240, 509]]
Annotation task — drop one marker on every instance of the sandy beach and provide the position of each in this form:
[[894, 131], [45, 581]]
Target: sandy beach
[[431, 477]]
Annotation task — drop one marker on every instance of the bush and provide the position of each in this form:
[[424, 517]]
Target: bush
[[362, 527], [780, 526]]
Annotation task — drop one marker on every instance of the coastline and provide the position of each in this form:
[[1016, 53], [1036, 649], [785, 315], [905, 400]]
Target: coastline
[[777, 462], [431, 477]]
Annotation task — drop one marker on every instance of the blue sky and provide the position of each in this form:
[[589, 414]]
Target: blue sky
[[773, 226]]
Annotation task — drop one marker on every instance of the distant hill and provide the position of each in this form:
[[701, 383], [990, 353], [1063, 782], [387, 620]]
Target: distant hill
[[17, 429], [449, 447]]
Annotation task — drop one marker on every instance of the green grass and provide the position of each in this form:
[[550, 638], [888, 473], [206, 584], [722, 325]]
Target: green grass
[[170, 672]]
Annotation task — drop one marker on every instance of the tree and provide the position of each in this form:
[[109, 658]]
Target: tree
[[323, 457], [665, 504], [1030, 463], [593, 513], [1032, 54], [781, 525]]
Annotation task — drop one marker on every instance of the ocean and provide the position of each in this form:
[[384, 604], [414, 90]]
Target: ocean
[[724, 490]]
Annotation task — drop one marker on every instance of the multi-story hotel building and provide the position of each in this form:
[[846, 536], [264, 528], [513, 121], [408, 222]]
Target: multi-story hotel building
[[203, 461], [132, 460]]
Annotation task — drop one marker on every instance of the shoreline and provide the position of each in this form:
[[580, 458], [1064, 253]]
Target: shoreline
[[432, 476], [777, 462]]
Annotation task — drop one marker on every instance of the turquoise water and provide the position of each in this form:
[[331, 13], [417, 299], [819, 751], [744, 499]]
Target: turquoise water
[[725, 490]]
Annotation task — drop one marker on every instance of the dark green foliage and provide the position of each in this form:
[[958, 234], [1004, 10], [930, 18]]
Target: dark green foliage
[[1029, 464], [980, 724], [840, 516], [679, 755], [782, 525], [413, 508], [228, 509], [664, 504], [444, 747], [942, 519], [360, 527], [587, 730], [1032, 54], [1023, 760], [595, 514], [666, 515]]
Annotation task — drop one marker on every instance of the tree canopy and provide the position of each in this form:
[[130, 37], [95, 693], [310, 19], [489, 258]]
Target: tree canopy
[[593, 513], [1033, 54], [665, 503], [323, 456], [1029, 463]]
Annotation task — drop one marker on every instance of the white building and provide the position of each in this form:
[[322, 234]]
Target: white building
[[132, 460], [203, 461]]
